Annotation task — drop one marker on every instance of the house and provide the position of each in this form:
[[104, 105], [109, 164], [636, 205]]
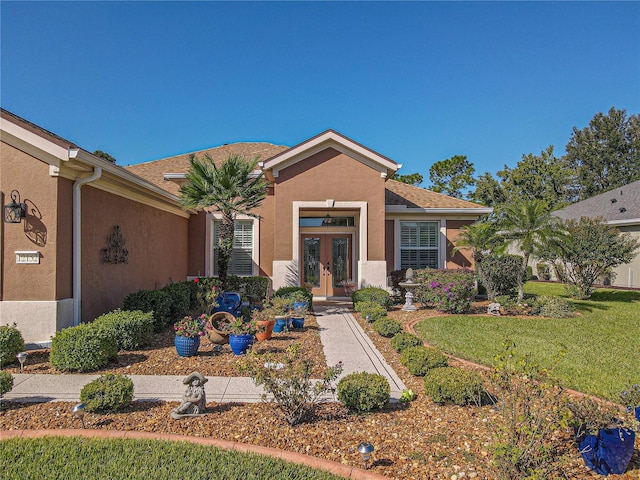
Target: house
[[620, 208], [92, 232]]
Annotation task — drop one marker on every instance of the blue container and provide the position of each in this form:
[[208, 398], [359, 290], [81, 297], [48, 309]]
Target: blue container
[[300, 305], [608, 452], [186, 346], [281, 323], [229, 302], [297, 322], [240, 343]]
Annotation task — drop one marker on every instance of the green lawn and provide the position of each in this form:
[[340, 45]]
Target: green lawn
[[602, 343], [98, 459]]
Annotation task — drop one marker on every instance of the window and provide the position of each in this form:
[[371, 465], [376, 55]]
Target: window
[[242, 257], [419, 244]]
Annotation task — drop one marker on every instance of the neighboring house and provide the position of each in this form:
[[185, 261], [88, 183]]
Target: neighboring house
[[620, 208], [94, 231]]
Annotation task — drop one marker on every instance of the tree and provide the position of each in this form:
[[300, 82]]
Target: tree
[[414, 179], [452, 176], [606, 154], [104, 155], [530, 226], [489, 191], [590, 249], [232, 189]]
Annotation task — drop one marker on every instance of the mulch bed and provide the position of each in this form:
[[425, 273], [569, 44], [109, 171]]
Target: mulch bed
[[420, 440]]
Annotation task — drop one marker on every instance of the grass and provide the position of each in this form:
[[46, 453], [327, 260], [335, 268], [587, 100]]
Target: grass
[[601, 351], [98, 459]]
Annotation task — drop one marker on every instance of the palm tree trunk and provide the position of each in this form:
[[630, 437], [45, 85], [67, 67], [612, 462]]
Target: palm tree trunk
[[225, 247], [522, 276]]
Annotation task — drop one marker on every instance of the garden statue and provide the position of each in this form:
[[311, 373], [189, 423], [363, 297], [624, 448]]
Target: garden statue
[[494, 309], [409, 285], [194, 400]]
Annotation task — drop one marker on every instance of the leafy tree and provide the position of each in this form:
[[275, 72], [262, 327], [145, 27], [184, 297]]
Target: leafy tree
[[606, 154], [530, 226], [104, 155], [489, 191], [589, 250], [231, 188], [452, 176], [414, 179], [482, 239]]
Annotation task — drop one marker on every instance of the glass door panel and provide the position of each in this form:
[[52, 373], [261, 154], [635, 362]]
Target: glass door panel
[[340, 260], [311, 261]]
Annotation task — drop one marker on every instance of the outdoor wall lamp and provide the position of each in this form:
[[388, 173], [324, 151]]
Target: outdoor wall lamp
[[15, 211]]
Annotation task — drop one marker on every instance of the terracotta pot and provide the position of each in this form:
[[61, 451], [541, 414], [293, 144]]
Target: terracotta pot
[[267, 325], [215, 333]]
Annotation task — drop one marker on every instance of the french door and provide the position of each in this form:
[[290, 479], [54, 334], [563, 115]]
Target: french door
[[326, 263]]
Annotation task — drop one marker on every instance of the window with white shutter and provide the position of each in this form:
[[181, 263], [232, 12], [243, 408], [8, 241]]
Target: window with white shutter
[[419, 244], [242, 257]]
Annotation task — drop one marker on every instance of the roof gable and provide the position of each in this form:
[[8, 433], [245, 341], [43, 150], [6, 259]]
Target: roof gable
[[401, 197], [337, 141]]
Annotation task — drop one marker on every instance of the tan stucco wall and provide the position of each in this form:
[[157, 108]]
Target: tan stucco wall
[[628, 275], [389, 233], [197, 244], [329, 174], [38, 232], [157, 243], [462, 258]]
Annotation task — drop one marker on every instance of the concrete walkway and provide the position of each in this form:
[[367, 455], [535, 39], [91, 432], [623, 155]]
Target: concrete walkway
[[342, 338]]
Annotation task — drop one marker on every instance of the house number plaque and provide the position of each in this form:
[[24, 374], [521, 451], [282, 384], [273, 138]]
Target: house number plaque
[[28, 257]]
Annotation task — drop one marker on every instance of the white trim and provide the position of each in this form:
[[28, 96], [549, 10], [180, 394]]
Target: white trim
[[255, 245], [16, 132], [442, 246], [438, 211], [630, 221]]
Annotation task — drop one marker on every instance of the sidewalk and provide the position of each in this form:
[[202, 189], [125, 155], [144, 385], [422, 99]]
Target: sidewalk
[[342, 338]]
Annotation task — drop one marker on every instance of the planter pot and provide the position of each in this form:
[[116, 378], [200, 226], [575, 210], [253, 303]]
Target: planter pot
[[268, 326], [186, 346], [637, 412], [214, 329], [608, 452], [297, 322], [240, 343], [280, 324], [297, 305]]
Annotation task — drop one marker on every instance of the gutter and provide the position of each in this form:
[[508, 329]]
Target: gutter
[[77, 237]]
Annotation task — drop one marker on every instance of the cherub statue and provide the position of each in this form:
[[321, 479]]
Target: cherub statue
[[194, 400]]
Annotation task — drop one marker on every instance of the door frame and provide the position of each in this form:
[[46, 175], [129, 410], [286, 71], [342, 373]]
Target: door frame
[[328, 246]]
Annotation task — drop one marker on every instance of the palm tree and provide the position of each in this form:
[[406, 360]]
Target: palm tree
[[530, 226], [481, 238], [232, 188]]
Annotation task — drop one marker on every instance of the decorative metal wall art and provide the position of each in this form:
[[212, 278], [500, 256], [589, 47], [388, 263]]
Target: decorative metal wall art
[[115, 252]]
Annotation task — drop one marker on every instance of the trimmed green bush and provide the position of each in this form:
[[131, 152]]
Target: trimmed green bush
[[6, 382], [254, 288], [364, 391], [453, 385], [11, 343], [285, 292], [373, 310], [500, 274], [387, 327], [372, 294], [180, 299], [448, 291], [108, 393], [552, 307], [156, 301], [419, 360], [403, 340], [82, 348], [131, 329]]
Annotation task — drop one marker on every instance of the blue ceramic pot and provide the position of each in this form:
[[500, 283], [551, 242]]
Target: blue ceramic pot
[[608, 452], [297, 322], [300, 305], [186, 346], [240, 343], [281, 323], [637, 411]]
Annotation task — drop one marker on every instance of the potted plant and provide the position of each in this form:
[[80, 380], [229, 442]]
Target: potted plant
[[265, 323], [630, 397], [241, 335], [604, 438], [188, 332], [214, 328], [349, 286], [298, 316], [298, 299], [279, 308]]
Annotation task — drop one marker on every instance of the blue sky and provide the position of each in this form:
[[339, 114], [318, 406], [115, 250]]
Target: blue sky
[[417, 81]]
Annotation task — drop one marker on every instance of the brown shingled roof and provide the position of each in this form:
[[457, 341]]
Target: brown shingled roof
[[398, 193], [154, 171]]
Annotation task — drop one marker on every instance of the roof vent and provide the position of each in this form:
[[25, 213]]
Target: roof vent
[[622, 209], [614, 200]]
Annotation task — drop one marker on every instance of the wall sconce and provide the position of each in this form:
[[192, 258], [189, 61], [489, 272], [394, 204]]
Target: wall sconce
[[15, 211]]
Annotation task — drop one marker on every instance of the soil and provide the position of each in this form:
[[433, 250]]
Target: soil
[[419, 440]]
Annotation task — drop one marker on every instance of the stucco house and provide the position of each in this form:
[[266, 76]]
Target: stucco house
[[91, 232], [620, 208]]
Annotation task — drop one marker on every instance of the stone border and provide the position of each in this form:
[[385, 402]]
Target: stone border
[[346, 471]]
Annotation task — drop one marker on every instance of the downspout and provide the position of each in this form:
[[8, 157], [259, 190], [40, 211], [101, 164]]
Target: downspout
[[77, 242]]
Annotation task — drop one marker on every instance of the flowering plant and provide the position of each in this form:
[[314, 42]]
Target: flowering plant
[[206, 294], [448, 291], [240, 327], [190, 327], [630, 396]]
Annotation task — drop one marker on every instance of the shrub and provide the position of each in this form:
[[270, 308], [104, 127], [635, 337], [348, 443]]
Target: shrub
[[552, 307], [11, 343], [364, 391], [419, 360], [254, 288], [449, 291], [83, 348], [373, 310], [453, 385], [131, 329], [387, 327], [404, 340], [179, 298], [156, 301], [6, 382], [398, 276], [544, 272], [372, 294], [108, 393], [500, 274], [285, 292], [287, 382]]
